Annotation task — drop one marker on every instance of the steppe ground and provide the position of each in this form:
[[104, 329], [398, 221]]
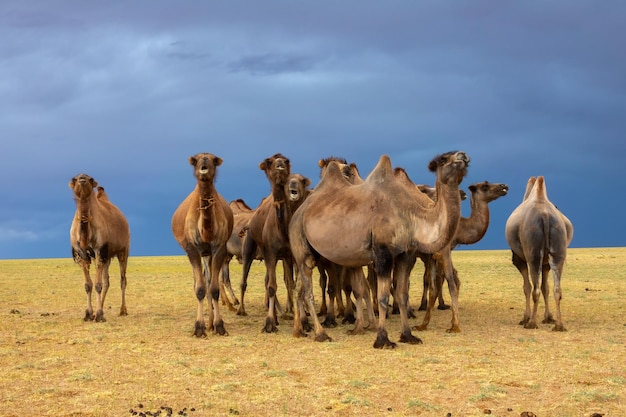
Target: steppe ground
[[148, 363]]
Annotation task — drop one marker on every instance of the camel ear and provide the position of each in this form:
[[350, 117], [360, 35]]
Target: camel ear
[[94, 183], [192, 160], [472, 188], [71, 183], [263, 165], [306, 182], [217, 161], [321, 163]]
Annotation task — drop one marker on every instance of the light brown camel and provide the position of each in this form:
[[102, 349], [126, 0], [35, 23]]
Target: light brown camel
[[342, 278], [539, 234], [99, 231], [268, 231], [471, 230], [377, 221], [242, 213], [202, 224]]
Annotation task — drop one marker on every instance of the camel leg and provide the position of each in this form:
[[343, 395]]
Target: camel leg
[[271, 321], [383, 262], [522, 267], [371, 279], [85, 264], [556, 265], [123, 261], [445, 261], [357, 278], [430, 273], [402, 270], [290, 285], [348, 316], [369, 299], [425, 291], [333, 285], [199, 288], [545, 291], [226, 288], [534, 270], [249, 249], [102, 281], [214, 265], [323, 283]]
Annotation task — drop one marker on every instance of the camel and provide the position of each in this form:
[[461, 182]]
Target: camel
[[99, 231], [471, 229], [268, 231], [539, 234], [341, 277], [377, 221], [201, 225], [242, 213]]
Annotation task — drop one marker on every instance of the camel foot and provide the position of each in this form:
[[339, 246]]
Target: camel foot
[[123, 311], [524, 321], [241, 311], [270, 326], [423, 307], [356, 331], [299, 333], [100, 317], [395, 309], [411, 313], [200, 330], [443, 307], [531, 325], [306, 325], [548, 320], [89, 316], [559, 328], [349, 319], [420, 327], [410, 339], [323, 311], [323, 337], [329, 322], [454, 329], [383, 342], [218, 328]]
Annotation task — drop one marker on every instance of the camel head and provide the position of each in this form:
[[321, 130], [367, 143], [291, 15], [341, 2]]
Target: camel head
[[296, 188], [450, 167], [204, 165], [349, 171], [83, 186], [487, 191], [277, 169]]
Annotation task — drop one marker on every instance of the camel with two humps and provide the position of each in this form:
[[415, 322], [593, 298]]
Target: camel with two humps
[[100, 232], [377, 222], [201, 225], [539, 234]]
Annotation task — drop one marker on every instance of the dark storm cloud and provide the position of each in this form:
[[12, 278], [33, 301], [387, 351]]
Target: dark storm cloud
[[127, 91]]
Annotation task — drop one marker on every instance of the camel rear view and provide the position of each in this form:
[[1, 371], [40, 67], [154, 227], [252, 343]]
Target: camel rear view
[[539, 234]]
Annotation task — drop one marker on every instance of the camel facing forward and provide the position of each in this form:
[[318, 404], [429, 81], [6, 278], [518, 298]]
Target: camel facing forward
[[539, 234], [99, 231], [202, 224]]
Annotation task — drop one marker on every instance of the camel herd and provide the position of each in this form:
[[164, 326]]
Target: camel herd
[[342, 227]]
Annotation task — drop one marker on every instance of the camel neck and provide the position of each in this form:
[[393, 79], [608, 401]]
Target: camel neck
[[473, 228]]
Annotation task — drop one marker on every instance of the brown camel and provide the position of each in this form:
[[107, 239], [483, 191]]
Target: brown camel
[[539, 234], [202, 224], [378, 221], [471, 230], [268, 231], [341, 277], [99, 231], [242, 213]]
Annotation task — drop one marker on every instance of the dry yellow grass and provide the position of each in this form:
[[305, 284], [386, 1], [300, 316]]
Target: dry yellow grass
[[53, 363]]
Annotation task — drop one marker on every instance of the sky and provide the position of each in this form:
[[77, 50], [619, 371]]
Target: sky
[[127, 91]]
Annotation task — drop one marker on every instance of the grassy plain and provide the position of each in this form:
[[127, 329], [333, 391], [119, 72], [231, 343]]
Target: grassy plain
[[55, 364]]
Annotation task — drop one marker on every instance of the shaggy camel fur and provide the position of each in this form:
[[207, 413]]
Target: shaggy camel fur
[[377, 221], [539, 234], [268, 231], [99, 231], [201, 225], [471, 230]]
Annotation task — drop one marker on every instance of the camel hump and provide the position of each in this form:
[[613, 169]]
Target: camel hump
[[538, 190], [382, 171]]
